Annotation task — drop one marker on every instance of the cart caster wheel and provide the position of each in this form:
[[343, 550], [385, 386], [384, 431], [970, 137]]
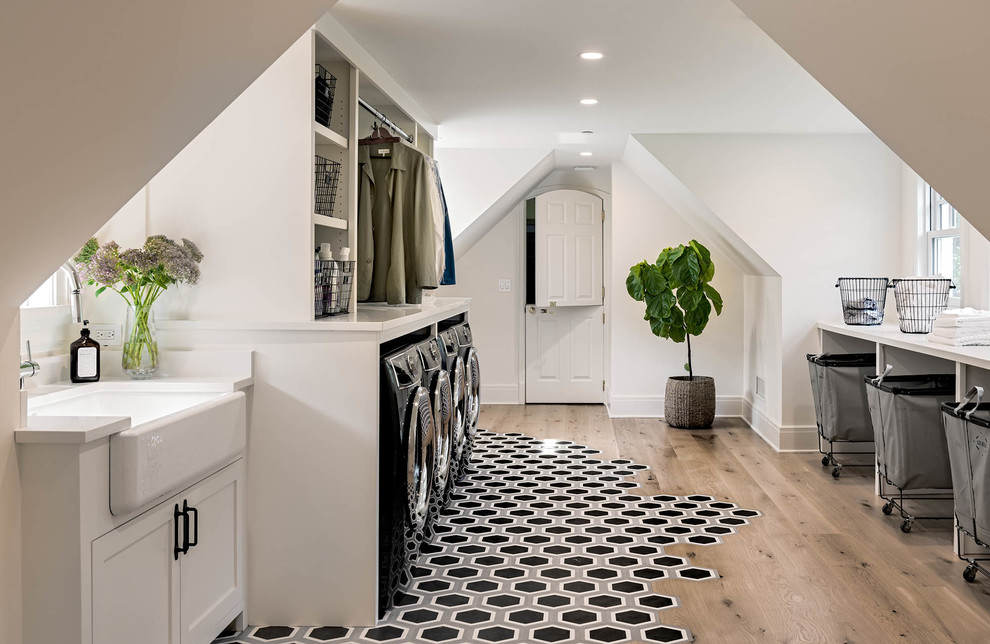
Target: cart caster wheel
[[835, 472], [906, 526], [887, 508], [825, 461], [970, 573]]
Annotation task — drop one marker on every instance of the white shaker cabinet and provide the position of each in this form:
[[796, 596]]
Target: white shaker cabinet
[[174, 575]]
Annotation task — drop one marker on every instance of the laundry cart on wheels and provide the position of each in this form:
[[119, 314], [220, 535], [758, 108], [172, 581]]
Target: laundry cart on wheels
[[841, 408], [911, 451], [967, 434]]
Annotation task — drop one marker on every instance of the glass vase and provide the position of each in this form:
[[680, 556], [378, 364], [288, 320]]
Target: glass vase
[[140, 351]]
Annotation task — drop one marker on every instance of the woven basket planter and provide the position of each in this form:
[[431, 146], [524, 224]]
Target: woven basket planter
[[689, 404]]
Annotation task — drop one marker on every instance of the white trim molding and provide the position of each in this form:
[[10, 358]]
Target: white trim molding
[[501, 395], [787, 438], [652, 406]]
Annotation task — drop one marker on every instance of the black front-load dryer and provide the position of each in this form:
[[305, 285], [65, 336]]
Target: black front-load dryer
[[406, 455], [437, 382], [472, 390], [450, 346]]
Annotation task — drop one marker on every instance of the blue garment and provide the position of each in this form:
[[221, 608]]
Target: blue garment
[[448, 277]]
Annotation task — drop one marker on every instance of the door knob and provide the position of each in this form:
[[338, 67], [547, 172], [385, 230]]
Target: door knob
[[553, 307], [531, 309]]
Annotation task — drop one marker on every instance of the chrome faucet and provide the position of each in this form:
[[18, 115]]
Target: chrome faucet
[[28, 367], [75, 301]]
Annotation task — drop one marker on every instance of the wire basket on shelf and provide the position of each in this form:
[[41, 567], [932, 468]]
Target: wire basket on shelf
[[326, 179], [333, 280], [863, 299], [919, 301], [326, 83]]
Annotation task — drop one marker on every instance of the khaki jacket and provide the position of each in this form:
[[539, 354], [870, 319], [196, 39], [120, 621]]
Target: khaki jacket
[[396, 241]]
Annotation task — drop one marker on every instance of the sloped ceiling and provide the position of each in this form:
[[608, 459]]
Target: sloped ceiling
[[100, 95], [913, 71]]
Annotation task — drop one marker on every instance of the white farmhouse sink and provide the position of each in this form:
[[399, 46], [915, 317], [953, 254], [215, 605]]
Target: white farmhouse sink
[[176, 437]]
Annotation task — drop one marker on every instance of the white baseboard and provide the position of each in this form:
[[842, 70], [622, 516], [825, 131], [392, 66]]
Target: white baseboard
[[500, 395], [652, 406], [787, 438]]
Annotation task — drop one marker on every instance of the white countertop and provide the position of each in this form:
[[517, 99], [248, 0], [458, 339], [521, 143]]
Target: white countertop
[[891, 336], [368, 317], [388, 320], [231, 371]]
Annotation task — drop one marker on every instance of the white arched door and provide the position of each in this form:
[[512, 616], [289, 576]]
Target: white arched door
[[565, 330]]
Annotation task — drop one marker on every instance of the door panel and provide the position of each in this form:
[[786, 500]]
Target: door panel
[[564, 354], [136, 582], [212, 580], [568, 249]]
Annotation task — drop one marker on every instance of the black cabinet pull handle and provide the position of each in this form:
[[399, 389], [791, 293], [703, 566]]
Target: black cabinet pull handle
[[185, 526], [177, 515], [195, 541]]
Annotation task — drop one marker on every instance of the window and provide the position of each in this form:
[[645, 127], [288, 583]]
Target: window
[[943, 227], [50, 293]]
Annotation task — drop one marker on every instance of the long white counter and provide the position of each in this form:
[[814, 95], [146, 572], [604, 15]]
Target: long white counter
[[387, 320], [911, 353]]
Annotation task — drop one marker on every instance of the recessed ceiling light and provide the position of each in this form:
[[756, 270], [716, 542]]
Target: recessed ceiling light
[[592, 55], [585, 168], [586, 154], [586, 132], [589, 101]]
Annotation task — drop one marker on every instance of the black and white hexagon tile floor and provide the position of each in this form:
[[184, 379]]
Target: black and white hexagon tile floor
[[543, 543]]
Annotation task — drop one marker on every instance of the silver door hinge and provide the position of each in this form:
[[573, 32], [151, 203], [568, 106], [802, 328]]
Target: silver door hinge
[[603, 215], [603, 318], [603, 385], [603, 292]]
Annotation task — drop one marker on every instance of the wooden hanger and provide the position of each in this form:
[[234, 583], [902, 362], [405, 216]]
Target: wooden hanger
[[380, 136]]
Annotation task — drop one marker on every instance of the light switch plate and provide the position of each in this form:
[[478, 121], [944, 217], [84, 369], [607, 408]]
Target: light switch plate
[[106, 334], [505, 286], [761, 387]]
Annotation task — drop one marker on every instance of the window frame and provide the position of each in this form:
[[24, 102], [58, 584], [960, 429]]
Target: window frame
[[932, 232]]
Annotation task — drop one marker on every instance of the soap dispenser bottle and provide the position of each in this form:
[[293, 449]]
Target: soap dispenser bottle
[[84, 359]]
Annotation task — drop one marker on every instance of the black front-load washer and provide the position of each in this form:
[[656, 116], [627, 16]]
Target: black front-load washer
[[437, 382], [406, 454], [450, 346]]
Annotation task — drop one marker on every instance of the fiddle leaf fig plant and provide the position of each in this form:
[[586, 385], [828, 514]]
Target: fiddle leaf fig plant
[[677, 291]]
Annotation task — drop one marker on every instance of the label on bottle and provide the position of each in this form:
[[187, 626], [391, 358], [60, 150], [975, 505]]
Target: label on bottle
[[86, 362]]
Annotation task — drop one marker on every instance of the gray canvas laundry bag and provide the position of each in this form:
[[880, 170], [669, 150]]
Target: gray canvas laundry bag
[[911, 447]]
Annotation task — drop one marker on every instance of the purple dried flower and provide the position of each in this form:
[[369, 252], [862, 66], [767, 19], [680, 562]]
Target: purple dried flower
[[192, 250], [104, 266]]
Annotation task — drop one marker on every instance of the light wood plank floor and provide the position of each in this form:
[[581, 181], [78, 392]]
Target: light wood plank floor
[[822, 564]]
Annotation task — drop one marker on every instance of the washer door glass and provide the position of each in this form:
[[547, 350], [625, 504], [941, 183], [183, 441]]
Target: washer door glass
[[419, 457], [443, 414], [459, 391], [473, 386]]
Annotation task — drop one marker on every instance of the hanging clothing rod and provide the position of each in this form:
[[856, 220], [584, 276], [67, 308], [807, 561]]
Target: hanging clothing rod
[[384, 119]]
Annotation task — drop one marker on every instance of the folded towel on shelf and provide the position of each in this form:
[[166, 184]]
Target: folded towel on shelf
[[962, 331], [962, 317], [981, 340]]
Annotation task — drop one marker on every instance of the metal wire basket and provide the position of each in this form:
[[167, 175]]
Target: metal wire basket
[[863, 299], [919, 301], [333, 281], [326, 179], [326, 84]]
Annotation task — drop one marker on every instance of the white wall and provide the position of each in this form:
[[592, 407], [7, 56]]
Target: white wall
[[496, 317], [474, 178], [911, 70], [642, 225], [815, 207]]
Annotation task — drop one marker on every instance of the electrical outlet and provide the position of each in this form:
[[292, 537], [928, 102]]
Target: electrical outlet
[[106, 334], [505, 286]]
